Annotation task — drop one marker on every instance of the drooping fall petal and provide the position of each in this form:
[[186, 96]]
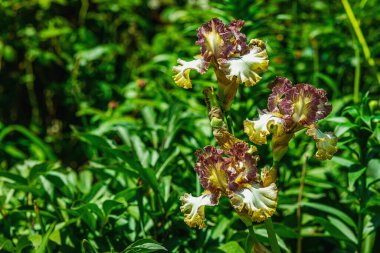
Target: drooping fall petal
[[246, 68], [257, 130], [193, 208], [326, 143], [255, 201], [182, 71]]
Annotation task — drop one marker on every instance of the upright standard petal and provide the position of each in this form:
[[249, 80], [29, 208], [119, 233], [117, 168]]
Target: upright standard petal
[[255, 201], [242, 166], [246, 68], [280, 86], [257, 130], [326, 143], [305, 104], [182, 71], [194, 208], [211, 169], [213, 38], [239, 40]]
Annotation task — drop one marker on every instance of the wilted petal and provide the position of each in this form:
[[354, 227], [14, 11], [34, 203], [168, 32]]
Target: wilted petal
[[182, 71], [326, 143], [194, 208], [213, 38], [224, 139], [211, 169], [246, 68], [254, 201], [257, 130], [268, 176]]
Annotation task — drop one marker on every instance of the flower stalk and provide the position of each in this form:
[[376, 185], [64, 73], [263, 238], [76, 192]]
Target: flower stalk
[[272, 236], [232, 170]]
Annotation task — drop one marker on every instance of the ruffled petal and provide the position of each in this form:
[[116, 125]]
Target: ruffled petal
[[305, 104], [242, 167], [254, 201], [280, 86], [213, 38], [194, 208], [182, 71], [211, 169], [326, 143], [257, 130], [246, 68], [239, 41]]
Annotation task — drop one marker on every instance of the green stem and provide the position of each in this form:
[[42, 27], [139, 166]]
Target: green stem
[[250, 241], [358, 32], [362, 184], [299, 201], [229, 123], [357, 76], [272, 236]]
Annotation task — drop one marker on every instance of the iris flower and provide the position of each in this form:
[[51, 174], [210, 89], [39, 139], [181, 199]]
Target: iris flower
[[233, 59], [233, 174], [292, 108]]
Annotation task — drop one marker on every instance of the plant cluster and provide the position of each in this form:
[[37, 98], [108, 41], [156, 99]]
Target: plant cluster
[[97, 142], [233, 171]]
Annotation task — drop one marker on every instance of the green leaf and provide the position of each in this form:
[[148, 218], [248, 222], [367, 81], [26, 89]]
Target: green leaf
[[354, 174], [144, 246], [45, 239], [14, 178], [332, 229], [87, 247], [109, 205], [22, 243], [31, 136], [285, 231], [324, 208], [342, 161], [7, 245], [344, 229], [232, 246]]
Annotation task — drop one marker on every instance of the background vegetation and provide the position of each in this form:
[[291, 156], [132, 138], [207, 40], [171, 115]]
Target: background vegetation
[[97, 143]]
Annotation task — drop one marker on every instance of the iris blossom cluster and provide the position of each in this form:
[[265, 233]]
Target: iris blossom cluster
[[233, 174], [232, 170], [291, 109], [233, 59]]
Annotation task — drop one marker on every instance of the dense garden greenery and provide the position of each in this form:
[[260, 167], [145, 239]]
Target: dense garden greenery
[[97, 142]]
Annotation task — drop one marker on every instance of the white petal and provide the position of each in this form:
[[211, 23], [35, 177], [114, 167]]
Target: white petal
[[193, 208], [257, 130], [182, 71], [246, 68], [258, 203]]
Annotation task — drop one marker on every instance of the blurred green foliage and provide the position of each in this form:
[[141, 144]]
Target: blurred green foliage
[[97, 142]]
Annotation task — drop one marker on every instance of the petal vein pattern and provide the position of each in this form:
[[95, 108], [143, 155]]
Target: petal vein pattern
[[246, 68], [255, 201]]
